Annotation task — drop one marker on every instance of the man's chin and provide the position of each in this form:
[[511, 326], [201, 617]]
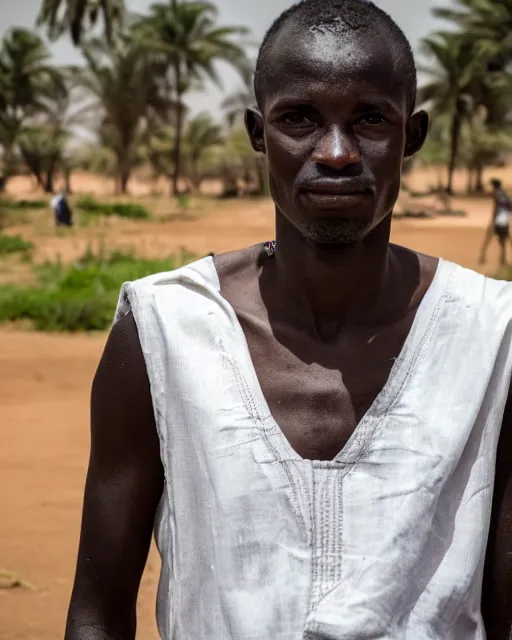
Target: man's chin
[[333, 235]]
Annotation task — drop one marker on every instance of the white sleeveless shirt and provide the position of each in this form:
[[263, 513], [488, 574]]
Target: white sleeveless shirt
[[387, 541]]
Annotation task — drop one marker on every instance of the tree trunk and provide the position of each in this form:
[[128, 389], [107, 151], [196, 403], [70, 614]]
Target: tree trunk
[[479, 187], [123, 173], [469, 188], [67, 178], [123, 182], [195, 179], [179, 126], [262, 174], [454, 148], [7, 167], [48, 183]]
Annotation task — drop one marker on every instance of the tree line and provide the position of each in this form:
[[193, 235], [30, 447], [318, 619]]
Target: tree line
[[132, 90], [469, 89]]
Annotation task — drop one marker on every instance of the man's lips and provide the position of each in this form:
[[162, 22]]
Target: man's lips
[[338, 189], [332, 196]]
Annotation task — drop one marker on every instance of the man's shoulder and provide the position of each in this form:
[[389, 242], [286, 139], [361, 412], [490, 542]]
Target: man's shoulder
[[492, 295], [197, 279], [468, 288], [236, 265], [226, 265]]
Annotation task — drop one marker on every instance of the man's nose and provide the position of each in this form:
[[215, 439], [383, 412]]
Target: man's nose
[[337, 150]]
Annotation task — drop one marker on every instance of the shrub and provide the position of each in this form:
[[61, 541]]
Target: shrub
[[505, 273], [56, 310], [122, 209], [23, 204], [14, 244], [80, 297]]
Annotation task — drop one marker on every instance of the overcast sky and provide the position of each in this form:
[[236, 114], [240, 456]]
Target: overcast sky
[[414, 16]]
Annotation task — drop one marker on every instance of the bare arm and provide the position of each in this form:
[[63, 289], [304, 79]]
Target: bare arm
[[123, 488], [497, 588]]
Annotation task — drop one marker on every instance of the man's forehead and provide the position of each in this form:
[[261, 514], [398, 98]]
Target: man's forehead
[[316, 47], [318, 62]]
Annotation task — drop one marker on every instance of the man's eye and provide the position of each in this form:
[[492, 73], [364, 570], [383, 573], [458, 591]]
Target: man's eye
[[371, 119], [296, 119]]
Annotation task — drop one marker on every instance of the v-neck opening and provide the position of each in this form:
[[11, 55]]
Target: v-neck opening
[[378, 410]]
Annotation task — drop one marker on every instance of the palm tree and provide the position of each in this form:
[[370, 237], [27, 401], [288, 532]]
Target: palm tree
[[42, 150], [237, 102], [436, 150], [186, 37], [44, 141], [201, 135], [483, 146], [235, 106], [124, 82], [63, 15], [487, 135], [489, 23], [27, 79], [456, 78], [157, 149]]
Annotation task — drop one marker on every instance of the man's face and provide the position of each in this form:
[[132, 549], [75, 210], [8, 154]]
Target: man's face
[[335, 120]]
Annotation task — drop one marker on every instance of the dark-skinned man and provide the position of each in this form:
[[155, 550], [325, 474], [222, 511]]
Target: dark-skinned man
[[317, 427]]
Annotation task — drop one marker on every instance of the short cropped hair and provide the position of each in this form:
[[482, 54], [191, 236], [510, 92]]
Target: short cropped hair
[[338, 17]]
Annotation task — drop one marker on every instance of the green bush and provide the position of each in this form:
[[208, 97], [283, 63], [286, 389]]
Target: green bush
[[23, 204], [505, 273], [56, 310], [122, 209], [14, 244], [81, 297]]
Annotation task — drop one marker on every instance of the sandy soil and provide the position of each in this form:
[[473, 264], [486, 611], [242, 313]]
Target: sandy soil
[[44, 395]]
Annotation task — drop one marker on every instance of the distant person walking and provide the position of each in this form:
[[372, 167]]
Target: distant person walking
[[62, 210], [500, 223]]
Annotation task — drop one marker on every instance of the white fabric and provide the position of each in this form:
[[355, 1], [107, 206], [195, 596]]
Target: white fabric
[[56, 200], [502, 218], [385, 542]]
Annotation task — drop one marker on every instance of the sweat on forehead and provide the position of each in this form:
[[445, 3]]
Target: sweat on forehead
[[357, 21]]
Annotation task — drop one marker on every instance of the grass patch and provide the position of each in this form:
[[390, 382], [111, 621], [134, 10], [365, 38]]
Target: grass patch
[[23, 204], [14, 244], [80, 297], [121, 209], [10, 580], [505, 273]]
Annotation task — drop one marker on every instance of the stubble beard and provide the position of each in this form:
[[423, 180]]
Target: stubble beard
[[334, 232]]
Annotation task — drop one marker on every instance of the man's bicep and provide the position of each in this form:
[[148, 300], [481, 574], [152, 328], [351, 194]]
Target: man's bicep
[[497, 587], [123, 487]]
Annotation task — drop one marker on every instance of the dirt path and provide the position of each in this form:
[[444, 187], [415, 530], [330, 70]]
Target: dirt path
[[44, 397], [44, 440]]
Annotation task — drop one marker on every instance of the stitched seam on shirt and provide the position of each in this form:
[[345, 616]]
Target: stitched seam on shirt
[[132, 298], [376, 421], [250, 405], [245, 392], [328, 486], [314, 527]]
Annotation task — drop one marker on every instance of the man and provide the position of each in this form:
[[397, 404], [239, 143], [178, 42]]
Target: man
[[499, 225], [312, 424]]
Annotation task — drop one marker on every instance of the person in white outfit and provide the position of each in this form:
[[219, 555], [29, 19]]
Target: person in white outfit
[[499, 225], [61, 209], [318, 428]]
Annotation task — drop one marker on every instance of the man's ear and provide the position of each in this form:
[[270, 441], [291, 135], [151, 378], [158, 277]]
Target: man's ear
[[417, 131], [255, 129]]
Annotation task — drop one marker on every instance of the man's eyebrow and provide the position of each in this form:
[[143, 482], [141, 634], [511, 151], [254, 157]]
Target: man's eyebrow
[[291, 102], [380, 104], [364, 105]]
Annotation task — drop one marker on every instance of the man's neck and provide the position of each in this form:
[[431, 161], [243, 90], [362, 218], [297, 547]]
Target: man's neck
[[321, 291]]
